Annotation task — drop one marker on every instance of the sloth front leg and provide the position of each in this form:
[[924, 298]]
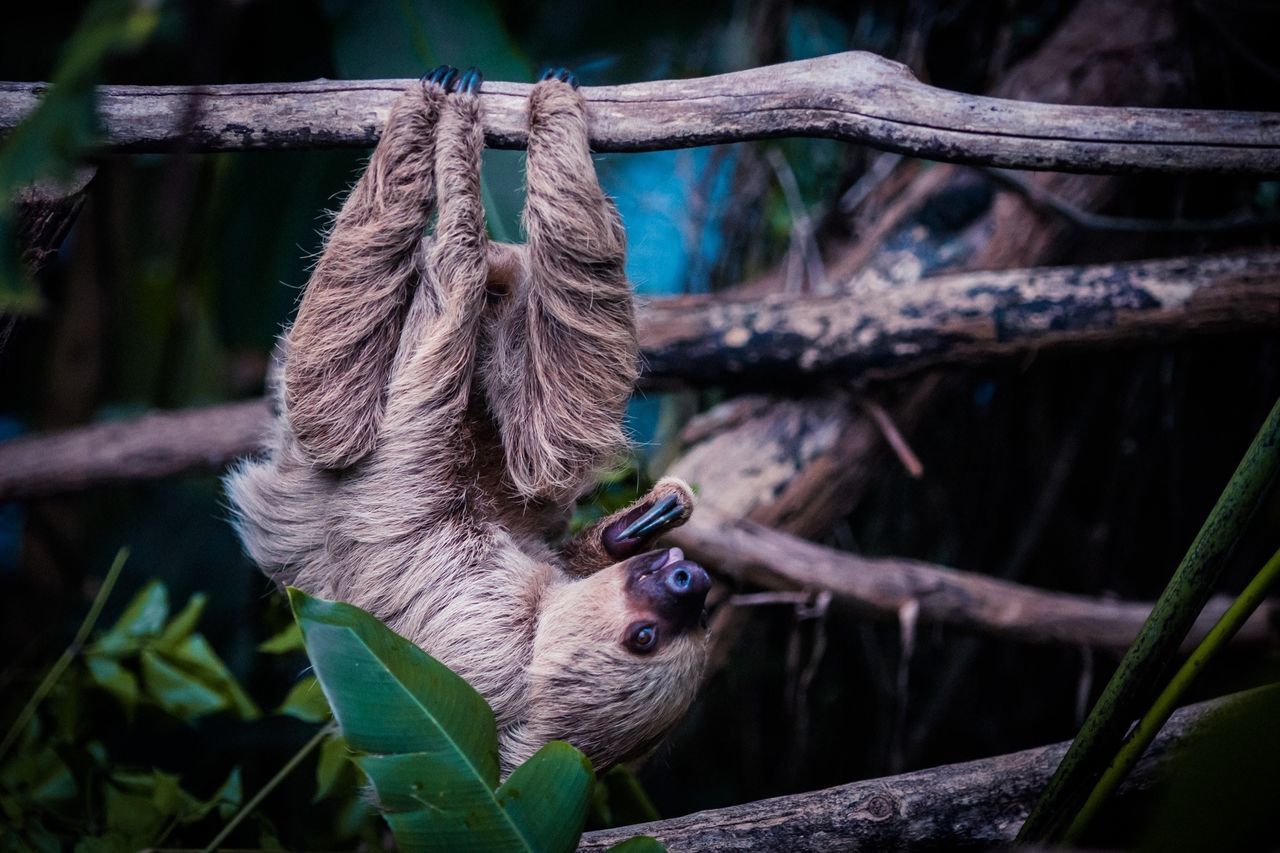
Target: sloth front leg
[[564, 355], [426, 452], [631, 530], [340, 348]]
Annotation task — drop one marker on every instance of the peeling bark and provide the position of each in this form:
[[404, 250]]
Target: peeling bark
[[856, 97]]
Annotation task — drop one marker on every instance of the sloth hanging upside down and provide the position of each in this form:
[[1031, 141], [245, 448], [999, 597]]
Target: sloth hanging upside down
[[443, 402]]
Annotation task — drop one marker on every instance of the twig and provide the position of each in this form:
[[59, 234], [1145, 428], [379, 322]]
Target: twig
[[857, 97], [272, 783], [1165, 704], [1173, 615], [1047, 200], [891, 434], [55, 672]]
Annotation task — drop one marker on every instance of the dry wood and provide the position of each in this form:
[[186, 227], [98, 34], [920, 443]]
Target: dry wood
[[160, 444], [858, 97], [871, 332], [880, 586], [974, 805], [879, 328]]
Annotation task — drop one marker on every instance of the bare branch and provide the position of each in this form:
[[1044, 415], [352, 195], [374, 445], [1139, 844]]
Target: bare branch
[[880, 586], [977, 804], [857, 97], [702, 341], [878, 330]]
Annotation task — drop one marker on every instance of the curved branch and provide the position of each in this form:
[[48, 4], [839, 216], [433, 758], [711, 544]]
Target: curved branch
[[972, 805], [856, 97], [880, 586]]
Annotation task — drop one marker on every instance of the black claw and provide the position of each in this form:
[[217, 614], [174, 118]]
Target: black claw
[[564, 75], [657, 516], [471, 81], [441, 75]]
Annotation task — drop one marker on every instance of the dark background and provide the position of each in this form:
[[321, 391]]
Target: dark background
[[183, 268]]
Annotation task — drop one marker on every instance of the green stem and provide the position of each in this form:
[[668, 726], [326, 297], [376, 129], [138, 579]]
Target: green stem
[[271, 785], [55, 672], [1150, 724], [1131, 688]]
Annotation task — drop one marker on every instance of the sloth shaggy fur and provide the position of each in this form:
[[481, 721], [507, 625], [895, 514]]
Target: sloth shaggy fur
[[442, 401]]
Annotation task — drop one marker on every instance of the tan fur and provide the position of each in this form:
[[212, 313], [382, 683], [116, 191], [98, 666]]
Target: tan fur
[[442, 403]]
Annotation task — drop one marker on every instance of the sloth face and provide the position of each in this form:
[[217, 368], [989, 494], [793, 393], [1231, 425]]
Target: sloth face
[[618, 656]]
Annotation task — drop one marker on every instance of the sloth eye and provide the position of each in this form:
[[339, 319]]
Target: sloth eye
[[642, 638]]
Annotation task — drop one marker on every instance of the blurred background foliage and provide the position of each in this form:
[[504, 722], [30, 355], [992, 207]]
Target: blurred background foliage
[[182, 269]]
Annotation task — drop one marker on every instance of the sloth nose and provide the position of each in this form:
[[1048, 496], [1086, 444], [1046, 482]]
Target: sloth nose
[[685, 578], [684, 591]]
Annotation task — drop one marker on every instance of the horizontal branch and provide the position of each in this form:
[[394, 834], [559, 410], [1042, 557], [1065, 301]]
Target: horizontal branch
[[873, 332], [856, 97], [880, 586], [159, 444], [975, 805], [879, 330], [162, 444]]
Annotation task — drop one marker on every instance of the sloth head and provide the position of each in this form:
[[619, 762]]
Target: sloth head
[[617, 658]]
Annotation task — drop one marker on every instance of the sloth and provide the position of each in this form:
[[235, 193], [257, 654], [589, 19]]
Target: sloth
[[443, 400]]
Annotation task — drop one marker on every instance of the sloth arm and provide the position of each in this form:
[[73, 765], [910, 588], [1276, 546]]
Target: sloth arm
[[422, 476], [340, 348], [563, 358]]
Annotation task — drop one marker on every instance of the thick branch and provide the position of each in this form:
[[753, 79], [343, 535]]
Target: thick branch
[[768, 558], [973, 805], [857, 97], [170, 443], [880, 328], [876, 331], [159, 444]]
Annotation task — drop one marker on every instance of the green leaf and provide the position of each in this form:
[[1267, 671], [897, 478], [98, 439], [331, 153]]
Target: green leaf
[[288, 640], [184, 624], [434, 764], [547, 797], [333, 767], [108, 674], [388, 695], [306, 702], [39, 775], [144, 617], [640, 844], [228, 798], [620, 800], [195, 656], [178, 692]]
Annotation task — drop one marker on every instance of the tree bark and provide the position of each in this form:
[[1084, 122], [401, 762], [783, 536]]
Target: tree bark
[[872, 333], [877, 330], [880, 586], [975, 805], [857, 97]]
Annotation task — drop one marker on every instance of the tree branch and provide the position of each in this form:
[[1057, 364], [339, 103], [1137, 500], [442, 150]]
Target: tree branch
[[880, 586], [873, 333], [878, 330], [856, 97], [976, 804]]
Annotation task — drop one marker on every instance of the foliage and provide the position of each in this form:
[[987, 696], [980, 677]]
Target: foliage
[[63, 128], [429, 746], [1157, 642], [59, 780]]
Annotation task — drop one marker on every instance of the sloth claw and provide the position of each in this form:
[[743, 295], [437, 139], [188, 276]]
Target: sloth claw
[[443, 76], [654, 518], [564, 75], [470, 81]]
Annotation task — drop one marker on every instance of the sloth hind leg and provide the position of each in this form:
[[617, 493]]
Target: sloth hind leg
[[564, 353], [340, 347]]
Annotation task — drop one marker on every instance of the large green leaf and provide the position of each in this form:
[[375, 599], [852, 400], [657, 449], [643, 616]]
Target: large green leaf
[[429, 744]]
